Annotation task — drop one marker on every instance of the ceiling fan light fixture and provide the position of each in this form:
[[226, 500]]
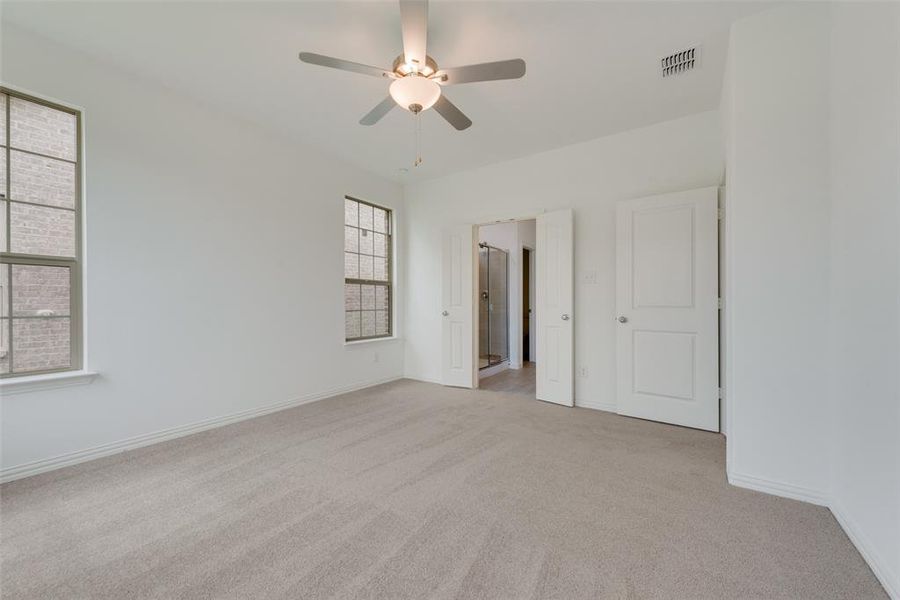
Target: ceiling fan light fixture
[[415, 93]]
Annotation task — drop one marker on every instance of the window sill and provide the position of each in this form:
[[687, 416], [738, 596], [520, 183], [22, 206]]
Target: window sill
[[392, 338], [48, 381]]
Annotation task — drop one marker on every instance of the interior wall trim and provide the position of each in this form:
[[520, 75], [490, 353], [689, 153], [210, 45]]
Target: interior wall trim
[[889, 579], [139, 441], [778, 488], [423, 379]]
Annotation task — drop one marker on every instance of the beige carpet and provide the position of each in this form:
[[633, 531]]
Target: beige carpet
[[410, 490]]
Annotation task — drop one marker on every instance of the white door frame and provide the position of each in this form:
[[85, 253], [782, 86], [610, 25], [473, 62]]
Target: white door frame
[[476, 323]]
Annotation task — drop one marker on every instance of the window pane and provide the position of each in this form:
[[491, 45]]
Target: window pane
[[2, 173], [3, 101], [4, 321], [351, 266], [381, 323], [350, 212], [351, 239], [39, 291], [380, 269], [380, 244], [40, 344], [365, 242], [4, 290], [365, 267], [368, 323], [368, 297], [366, 248], [40, 230], [42, 180], [4, 345], [42, 129], [351, 296], [3, 246], [380, 220], [351, 324], [381, 297], [365, 216]]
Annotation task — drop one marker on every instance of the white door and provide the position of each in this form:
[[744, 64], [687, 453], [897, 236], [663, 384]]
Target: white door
[[667, 345], [554, 304], [457, 313]]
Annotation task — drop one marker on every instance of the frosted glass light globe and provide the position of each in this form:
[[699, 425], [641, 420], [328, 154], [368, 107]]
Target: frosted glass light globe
[[415, 93]]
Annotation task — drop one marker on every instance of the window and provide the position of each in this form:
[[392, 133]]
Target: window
[[367, 271], [40, 222]]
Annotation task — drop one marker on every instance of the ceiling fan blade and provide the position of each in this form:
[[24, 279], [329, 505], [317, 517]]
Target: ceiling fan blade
[[453, 115], [492, 71], [375, 115], [344, 65], [414, 26]]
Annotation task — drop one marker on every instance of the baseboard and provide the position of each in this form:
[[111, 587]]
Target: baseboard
[[80, 456], [777, 488], [423, 379], [493, 370], [605, 406], [888, 579]]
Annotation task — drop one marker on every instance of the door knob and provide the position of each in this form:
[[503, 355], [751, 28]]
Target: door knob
[[623, 319], [445, 313], [565, 317]]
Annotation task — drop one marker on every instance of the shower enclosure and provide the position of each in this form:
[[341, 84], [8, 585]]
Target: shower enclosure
[[493, 310]]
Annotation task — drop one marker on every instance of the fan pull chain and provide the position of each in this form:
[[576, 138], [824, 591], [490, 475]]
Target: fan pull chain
[[418, 160]]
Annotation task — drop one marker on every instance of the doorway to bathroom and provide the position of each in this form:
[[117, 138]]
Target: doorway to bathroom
[[505, 277]]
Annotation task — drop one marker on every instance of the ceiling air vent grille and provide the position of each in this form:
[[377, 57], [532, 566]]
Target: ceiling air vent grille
[[680, 62]]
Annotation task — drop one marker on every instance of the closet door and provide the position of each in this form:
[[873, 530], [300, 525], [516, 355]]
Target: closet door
[[667, 300]]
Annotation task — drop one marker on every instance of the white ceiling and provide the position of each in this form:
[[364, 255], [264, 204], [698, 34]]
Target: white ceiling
[[592, 68]]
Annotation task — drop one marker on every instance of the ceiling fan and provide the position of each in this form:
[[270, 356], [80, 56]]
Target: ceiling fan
[[417, 81]]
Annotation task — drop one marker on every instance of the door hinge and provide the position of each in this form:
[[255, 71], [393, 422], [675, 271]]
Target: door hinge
[[720, 213], [721, 393], [721, 303]]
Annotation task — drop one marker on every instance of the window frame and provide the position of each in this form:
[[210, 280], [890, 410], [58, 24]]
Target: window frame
[[74, 264], [389, 258]]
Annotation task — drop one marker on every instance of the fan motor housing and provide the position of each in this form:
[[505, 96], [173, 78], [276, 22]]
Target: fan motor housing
[[401, 69]]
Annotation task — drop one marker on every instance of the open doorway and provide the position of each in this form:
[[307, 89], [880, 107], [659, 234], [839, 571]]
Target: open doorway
[[505, 292], [527, 306], [552, 353]]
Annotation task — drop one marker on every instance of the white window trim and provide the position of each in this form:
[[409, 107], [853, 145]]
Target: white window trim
[[393, 338], [46, 381]]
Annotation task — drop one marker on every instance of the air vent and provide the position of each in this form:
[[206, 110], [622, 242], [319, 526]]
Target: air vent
[[680, 62]]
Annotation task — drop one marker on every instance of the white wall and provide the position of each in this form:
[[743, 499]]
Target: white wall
[[864, 364], [674, 155], [512, 236], [777, 245], [812, 113], [214, 264]]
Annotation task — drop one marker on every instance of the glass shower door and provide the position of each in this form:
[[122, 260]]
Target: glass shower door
[[493, 322], [484, 314]]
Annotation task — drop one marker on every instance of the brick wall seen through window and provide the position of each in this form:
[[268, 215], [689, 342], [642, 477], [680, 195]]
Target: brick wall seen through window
[[40, 267], [367, 271]]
